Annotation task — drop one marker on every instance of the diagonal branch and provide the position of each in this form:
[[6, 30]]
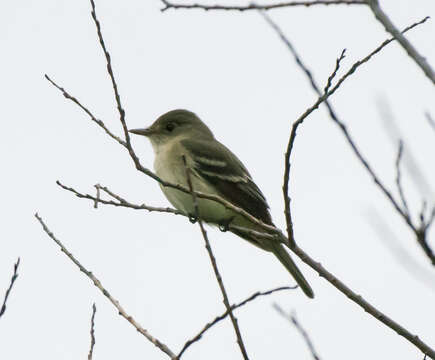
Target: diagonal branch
[[358, 299], [100, 286], [364, 304], [336, 120], [217, 319], [404, 42], [170, 5], [8, 291], [430, 120], [100, 123], [292, 318], [127, 143], [214, 265], [92, 332], [399, 179]]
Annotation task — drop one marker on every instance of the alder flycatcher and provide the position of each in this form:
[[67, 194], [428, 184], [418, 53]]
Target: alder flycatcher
[[214, 170]]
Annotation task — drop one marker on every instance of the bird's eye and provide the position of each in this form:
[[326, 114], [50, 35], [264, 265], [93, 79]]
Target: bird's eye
[[170, 127]]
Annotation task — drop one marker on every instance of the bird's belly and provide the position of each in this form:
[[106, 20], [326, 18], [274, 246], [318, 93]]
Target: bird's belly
[[209, 210]]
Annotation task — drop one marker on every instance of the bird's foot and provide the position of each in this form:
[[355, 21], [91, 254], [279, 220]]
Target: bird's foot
[[224, 225], [193, 219]]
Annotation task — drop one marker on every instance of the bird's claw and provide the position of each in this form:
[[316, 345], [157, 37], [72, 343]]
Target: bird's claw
[[193, 219]]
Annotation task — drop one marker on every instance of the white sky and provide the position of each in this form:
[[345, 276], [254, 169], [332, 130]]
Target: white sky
[[232, 70]]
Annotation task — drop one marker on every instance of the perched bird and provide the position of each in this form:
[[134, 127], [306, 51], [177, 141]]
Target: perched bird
[[214, 170]]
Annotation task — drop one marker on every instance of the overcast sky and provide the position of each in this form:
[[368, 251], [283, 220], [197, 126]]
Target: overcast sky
[[234, 72]]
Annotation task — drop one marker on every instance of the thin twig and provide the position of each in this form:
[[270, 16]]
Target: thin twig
[[92, 332], [430, 120], [334, 73], [340, 286], [100, 123], [97, 197], [214, 264], [112, 77], [316, 265], [171, 5], [127, 143], [98, 284], [8, 291], [120, 201], [399, 179], [401, 253], [335, 119], [403, 41], [149, 173], [219, 318], [292, 318]]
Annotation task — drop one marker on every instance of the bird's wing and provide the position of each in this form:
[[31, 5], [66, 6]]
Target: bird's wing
[[218, 165]]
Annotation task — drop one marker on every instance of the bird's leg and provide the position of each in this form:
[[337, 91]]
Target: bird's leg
[[224, 225]]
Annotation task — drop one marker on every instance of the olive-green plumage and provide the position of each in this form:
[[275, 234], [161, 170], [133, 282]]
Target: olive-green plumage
[[215, 170]]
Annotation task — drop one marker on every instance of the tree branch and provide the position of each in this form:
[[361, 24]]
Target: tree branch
[[171, 5], [115, 302], [406, 44], [297, 250], [399, 179], [346, 291], [430, 120], [214, 265], [359, 300], [292, 318], [337, 121], [92, 332], [8, 291], [198, 336]]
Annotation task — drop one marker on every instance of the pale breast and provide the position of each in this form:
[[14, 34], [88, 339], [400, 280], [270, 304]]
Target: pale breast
[[169, 166]]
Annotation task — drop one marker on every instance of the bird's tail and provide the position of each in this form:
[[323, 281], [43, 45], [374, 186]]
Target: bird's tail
[[285, 259]]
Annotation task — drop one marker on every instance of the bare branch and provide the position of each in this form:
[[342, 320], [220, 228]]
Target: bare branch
[[198, 336], [417, 175], [129, 148], [98, 284], [97, 187], [100, 123], [422, 229], [322, 98], [120, 201], [214, 264], [359, 300], [401, 253], [340, 286], [334, 73], [307, 259], [292, 318], [334, 117], [171, 5], [410, 162], [91, 350], [8, 291], [430, 120], [406, 44], [399, 179], [112, 78]]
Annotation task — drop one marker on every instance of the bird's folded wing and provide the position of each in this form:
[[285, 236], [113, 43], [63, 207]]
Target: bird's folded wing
[[219, 166]]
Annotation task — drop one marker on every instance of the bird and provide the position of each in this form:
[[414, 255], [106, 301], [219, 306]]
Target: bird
[[180, 140]]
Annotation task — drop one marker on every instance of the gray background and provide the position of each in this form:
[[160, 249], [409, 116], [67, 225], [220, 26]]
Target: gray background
[[232, 70]]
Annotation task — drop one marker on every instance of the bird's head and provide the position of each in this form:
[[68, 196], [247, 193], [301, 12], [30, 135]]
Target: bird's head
[[176, 123]]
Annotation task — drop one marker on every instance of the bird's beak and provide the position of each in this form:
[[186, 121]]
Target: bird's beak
[[145, 132]]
